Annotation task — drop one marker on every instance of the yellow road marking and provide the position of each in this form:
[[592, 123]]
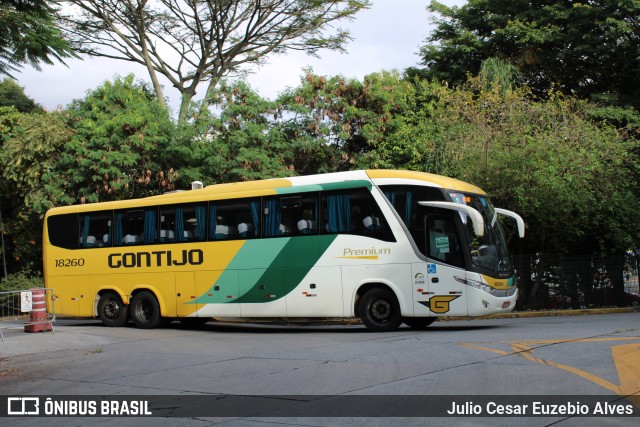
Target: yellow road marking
[[625, 358]]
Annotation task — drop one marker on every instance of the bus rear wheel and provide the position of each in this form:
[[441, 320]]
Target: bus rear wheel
[[145, 310], [111, 310], [418, 322], [380, 311]]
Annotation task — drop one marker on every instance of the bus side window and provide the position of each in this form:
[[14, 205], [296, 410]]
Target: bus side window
[[134, 227], [305, 216], [62, 230], [291, 215], [95, 229], [442, 240], [183, 223], [354, 211], [234, 219]]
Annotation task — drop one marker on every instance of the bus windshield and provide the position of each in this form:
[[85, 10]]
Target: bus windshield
[[490, 250]]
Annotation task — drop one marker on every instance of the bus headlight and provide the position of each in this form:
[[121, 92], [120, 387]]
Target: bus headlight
[[479, 285]]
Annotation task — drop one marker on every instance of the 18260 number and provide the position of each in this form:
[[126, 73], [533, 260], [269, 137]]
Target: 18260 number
[[70, 262]]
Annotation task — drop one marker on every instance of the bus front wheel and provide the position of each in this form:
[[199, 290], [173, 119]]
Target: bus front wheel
[[111, 310], [145, 310], [380, 311]]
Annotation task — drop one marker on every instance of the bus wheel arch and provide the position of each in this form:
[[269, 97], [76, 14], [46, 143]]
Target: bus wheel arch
[[111, 309], [145, 309], [378, 307]]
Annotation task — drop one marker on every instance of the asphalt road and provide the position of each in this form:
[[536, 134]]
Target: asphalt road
[[549, 356]]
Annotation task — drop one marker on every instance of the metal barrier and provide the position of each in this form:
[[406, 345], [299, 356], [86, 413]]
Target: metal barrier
[[31, 309]]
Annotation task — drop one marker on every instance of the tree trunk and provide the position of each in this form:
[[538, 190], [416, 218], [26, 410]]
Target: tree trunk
[[184, 108], [208, 94]]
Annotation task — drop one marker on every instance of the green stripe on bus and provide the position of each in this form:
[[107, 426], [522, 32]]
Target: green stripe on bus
[[289, 267], [342, 185], [267, 269]]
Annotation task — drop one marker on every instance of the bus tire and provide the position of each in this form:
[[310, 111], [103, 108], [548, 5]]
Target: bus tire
[[111, 310], [380, 311], [145, 310], [418, 322]]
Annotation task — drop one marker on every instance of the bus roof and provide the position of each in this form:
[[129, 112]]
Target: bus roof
[[380, 175], [329, 181]]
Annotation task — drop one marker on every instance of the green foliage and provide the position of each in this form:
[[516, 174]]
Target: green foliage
[[8, 118], [354, 119], [584, 48], [12, 95], [118, 150], [114, 144], [572, 180], [495, 72], [242, 143], [31, 155], [22, 280], [28, 35]]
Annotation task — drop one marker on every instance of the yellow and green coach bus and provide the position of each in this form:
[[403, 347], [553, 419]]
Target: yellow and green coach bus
[[384, 246]]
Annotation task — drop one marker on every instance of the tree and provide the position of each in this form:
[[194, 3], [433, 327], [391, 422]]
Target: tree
[[12, 95], [238, 141], [587, 48], [254, 138], [117, 143], [28, 156], [572, 181], [28, 35], [351, 117], [191, 42], [121, 146]]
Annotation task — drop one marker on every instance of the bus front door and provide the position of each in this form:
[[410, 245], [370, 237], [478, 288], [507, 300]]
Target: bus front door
[[446, 275]]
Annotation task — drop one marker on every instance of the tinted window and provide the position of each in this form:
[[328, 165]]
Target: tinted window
[[63, 230], [291, 215], [354, 211], [95, 229], [405, 198], [183, 223], [234, 219]]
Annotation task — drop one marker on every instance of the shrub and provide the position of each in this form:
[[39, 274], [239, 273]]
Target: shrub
[[21, 280]]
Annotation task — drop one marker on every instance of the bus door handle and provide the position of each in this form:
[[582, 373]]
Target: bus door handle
[[434, 280], [216, 288]]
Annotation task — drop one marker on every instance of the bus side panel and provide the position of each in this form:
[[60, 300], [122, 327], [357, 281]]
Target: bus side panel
[[220, 295], [395, 276], [447, 295], [185, 294], [263, 292], [319, 294], [67, 295]]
